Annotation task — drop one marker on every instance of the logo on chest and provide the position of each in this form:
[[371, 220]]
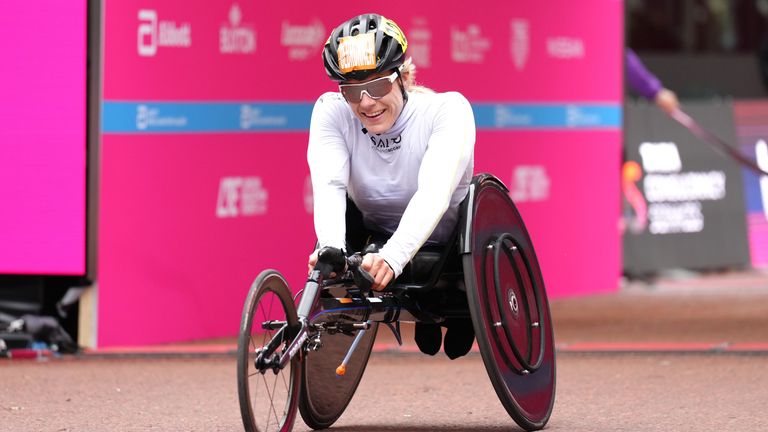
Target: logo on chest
[[386, 145]]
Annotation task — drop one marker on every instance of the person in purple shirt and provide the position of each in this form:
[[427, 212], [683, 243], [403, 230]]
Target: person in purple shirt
[[647, 85]]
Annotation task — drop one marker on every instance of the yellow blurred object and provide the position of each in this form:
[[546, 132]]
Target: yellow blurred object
[[341, 370], [632, 171]]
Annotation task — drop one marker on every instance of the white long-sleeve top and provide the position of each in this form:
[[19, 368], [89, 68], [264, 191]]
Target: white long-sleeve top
[[408, 181]]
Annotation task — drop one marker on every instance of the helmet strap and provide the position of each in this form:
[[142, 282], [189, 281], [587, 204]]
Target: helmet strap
[[402, 86]]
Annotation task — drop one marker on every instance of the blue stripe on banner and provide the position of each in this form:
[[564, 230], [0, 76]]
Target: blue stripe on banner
[[189, 117], [148, 117], [541, 116]]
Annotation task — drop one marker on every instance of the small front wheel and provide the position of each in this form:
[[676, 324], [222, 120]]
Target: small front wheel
[[268, 395]]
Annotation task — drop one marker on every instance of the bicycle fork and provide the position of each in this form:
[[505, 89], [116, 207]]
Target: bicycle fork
[[308, 300], [310, 296], [385, 311]]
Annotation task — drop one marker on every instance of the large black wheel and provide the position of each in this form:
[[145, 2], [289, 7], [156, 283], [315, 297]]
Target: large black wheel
[[324, 395], [268, 397], [509, 306]]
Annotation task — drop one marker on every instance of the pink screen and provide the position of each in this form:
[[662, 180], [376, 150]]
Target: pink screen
[[43, 137], [205, 116]]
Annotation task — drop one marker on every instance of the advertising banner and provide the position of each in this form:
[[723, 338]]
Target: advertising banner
[[684, 202], [43, 138], [205, 118], [751, 118]]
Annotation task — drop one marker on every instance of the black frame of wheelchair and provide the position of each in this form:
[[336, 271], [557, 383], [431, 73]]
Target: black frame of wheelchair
[[503, 294]]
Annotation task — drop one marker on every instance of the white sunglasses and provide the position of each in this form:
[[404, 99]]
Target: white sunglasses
[[375, 89]]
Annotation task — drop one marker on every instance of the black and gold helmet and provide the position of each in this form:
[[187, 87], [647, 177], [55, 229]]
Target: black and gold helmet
[[362, 46]]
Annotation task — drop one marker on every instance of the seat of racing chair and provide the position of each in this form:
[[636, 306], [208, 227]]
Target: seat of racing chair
[[427, 267]]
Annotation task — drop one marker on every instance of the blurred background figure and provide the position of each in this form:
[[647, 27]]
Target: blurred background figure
[[644, 83], [647, 85]]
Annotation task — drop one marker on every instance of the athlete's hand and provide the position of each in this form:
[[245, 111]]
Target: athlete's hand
[[379, 269], [667, 100], [312, 261]]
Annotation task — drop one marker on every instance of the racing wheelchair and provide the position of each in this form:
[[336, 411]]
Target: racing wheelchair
[[309, 357]]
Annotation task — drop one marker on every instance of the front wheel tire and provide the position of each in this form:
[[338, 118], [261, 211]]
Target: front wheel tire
[[268, 398]]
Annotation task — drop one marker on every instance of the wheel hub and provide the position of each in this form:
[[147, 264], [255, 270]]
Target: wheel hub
[[514, 306]]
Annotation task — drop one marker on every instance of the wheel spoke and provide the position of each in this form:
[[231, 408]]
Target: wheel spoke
[[271, 303], [267, 335], [268, 402], [265, 315], [261, 310], [271, 402], [274, 386], [285, 382]]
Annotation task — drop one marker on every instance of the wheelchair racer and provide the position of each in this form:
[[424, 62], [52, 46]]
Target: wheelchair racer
[[401, 153]]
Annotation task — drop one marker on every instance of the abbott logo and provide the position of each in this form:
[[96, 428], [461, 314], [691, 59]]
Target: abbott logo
[[153, 33], [147, 33], [531, 183], [241, 196], [143, 115]]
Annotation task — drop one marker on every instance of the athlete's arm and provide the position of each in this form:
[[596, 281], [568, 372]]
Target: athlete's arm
[[448, 155], [328, 159]]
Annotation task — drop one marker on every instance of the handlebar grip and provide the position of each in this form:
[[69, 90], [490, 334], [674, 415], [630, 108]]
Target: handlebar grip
[[330, 260], [355, 260], [363, 279], [371, 248]]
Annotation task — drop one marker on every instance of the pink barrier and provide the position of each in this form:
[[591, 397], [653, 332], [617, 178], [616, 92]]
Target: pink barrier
[[42, 138], [549, 51], [192, 210], [188, 223], [751, 118], [569, 208]]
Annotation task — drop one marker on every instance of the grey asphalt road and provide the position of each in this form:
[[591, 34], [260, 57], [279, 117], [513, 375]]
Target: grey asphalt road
[[627, 391], [595, 392]]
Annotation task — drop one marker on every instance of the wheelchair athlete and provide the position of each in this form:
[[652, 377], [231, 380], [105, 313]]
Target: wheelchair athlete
[[401, 153]]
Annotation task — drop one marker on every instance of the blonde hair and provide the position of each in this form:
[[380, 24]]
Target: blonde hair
[[408, 72]]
